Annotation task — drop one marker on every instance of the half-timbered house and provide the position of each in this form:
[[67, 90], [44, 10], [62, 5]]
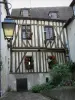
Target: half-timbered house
[[39, 34]]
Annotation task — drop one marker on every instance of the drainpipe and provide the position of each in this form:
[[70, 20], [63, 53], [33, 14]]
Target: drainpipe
[[0, 50], [68, 44]]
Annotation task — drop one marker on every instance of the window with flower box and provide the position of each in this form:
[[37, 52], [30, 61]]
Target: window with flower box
[[29, 62], [26, 32], [51, 61]]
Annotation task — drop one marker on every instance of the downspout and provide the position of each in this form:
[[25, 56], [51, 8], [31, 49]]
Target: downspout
[[0, 50], [68, 44]]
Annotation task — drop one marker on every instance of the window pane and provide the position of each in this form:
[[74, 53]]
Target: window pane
[[23, 27], [53, 15], [23, 35], [74, 9], [26, 32], [28, 27], [25, 13], [49, 32]]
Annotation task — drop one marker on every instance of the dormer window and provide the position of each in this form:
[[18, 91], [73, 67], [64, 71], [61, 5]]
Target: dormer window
[[53, 15], [74, 10], [25, 12]]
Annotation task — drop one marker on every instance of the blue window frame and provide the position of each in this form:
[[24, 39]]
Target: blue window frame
[[26, 32], [49, 32]]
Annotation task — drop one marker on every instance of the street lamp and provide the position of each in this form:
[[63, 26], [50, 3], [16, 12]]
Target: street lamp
[[8, 29]]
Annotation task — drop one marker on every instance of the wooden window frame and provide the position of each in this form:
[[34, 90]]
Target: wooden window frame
[[25, 30], [52, 33]]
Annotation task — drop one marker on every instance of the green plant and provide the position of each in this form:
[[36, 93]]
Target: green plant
[[39, 88], [61, 76], [72, 66], [67, 83], [60, 72], [72, 69]]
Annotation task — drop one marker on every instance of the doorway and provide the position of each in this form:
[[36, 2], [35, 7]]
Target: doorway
[[21, 84]]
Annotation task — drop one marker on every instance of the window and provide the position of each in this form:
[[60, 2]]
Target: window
[[26, 32], [53, 15], [49, 32], [74, 10], [28, 62], [24, 12]]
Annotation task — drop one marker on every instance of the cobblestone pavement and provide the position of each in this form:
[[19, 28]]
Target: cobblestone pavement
[[23, 96]]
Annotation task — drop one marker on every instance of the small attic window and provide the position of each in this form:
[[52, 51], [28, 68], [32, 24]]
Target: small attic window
[[25, 12], [53, 15]]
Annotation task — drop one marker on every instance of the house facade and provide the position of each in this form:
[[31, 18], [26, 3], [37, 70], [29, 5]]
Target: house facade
[[71, 32], [39, 34], [4, 52]]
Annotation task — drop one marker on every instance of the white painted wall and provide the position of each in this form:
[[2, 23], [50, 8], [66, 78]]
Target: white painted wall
[[4, 56], [32, 79], [71, 38]]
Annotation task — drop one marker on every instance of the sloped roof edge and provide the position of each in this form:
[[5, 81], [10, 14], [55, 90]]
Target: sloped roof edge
[[64, 13]]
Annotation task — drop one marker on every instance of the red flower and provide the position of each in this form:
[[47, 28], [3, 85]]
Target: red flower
[[52, 57], [26, 60]]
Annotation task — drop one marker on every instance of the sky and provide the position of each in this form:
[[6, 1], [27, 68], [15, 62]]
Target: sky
[[39, 3]]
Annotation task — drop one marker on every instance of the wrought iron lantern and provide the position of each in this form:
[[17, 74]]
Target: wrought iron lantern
[[8, 28]]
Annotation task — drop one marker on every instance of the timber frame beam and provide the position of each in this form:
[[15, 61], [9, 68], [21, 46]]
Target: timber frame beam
[[37, 49], [41, 19]]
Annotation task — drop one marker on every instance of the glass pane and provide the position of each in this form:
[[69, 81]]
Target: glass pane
[[28, 27], [25, 13], [53, 15], [74, 9], [23, 27], [49, 32], [23, 35], [9, 30], [28, 34]]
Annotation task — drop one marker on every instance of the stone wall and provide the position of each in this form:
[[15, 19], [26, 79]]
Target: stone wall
[[32, 79], [64, 93]]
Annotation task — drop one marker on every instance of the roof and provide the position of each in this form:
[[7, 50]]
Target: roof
[[69, 21], [71, 18], [64, 13], [72, 3]]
